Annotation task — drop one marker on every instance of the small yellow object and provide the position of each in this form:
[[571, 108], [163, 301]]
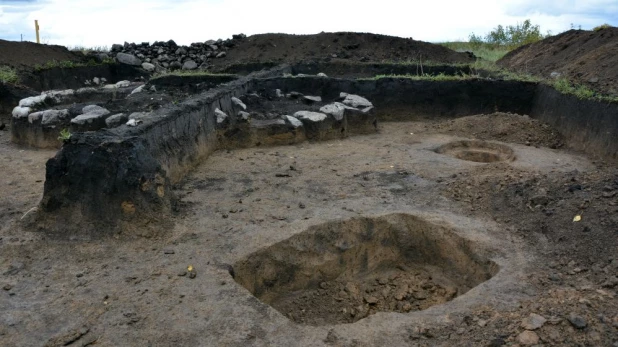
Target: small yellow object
[[577, 218], [190, 268]]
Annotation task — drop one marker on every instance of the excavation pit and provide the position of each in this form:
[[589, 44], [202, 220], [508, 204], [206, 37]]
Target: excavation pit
[[343, 271], [477, 151]]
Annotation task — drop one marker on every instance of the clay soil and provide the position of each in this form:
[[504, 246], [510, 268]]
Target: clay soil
[[138, 291], [584, 57], [344, 46]]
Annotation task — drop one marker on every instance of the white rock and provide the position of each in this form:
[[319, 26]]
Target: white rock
[[19, 112], [123, 84], [139, 115], [321, 74], [355, 100], [311, 116], [221, 116], [96, 80], [133, 122], [33, 101], [294, 121], [108, 86], [312, 99], [238, 102], [87, 90], [279, 93], [87, 118], [138, 89]]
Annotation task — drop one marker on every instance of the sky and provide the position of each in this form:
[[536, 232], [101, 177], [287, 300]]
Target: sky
[[101, 23]]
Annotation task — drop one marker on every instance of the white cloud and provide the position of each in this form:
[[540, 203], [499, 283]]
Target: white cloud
[[96, 22]]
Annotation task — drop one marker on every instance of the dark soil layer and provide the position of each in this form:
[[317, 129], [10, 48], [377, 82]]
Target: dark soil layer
[[284, 48], [585, 57], [25, 55]]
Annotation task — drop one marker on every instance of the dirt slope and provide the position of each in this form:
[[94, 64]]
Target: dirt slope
[[336, 46], [23, 55], [585, 57]]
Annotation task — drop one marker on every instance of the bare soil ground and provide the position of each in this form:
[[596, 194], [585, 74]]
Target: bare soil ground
[[286, 48], [585, 57], [26, 55], [138, 291]]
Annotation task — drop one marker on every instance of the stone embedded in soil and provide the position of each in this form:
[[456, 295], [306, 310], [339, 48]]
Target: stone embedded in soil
[[50, 117], [528, 338], [128, 59], [311, 99], [222, 117], [355, 100], [116, 120], [20, 112], [336, 110], [148, 67], [189, 65], [533, 322], [310, 116], [577, 321], [294, 121], [236, 101]]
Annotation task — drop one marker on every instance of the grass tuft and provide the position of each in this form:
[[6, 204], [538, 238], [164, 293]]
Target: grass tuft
[[8, 75], [485, 51], [67, 64], [580, 91]]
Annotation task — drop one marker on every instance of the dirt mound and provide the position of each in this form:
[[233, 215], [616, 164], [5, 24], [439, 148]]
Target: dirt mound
[[505, 127], [585, 57], [282, 48], [25, 55]]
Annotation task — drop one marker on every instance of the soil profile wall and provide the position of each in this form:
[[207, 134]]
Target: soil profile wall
[[588, 125]]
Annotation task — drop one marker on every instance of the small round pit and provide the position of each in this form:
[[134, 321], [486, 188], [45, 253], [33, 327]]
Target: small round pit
[[344, 271], [477, 151]]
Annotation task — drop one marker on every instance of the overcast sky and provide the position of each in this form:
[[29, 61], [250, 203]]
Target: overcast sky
[[92, 23]]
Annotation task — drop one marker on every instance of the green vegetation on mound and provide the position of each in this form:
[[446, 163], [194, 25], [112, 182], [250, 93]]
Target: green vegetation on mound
[[67, 64], [8, 75]]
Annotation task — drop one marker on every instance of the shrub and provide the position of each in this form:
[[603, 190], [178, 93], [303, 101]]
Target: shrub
[[601, 27], [510, 36]]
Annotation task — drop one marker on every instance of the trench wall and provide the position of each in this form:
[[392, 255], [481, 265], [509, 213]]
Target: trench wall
[[109, 179], [589, 126]]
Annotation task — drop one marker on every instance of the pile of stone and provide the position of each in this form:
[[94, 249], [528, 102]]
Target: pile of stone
[[161, 56], [292, 118]]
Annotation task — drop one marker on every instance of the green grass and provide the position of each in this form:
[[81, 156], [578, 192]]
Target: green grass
[[601, 27], [67, 64], [580, 91], [8, 75], [484, 51]]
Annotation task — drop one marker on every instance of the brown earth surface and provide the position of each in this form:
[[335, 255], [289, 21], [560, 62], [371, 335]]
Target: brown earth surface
[[583, 57], [286, 48], [138, 290], [26, 55]]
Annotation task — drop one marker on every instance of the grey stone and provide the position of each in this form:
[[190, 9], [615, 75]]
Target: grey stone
[[116, 120], [89, 121], [148, 67], [189, 65], [311, 99], [355, 100], [533, 322], [175, 65], [116, 47], [321, 74], [336, 110], [20, 112], [236, 101], [86, 90], [279, 93], [294, 121], [53, 117], [221, 55], [577, 321], [128, 59], [310, 116], [95, 109], [555, 75]]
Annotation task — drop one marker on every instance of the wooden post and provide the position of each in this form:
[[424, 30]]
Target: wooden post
[[36, 27]]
